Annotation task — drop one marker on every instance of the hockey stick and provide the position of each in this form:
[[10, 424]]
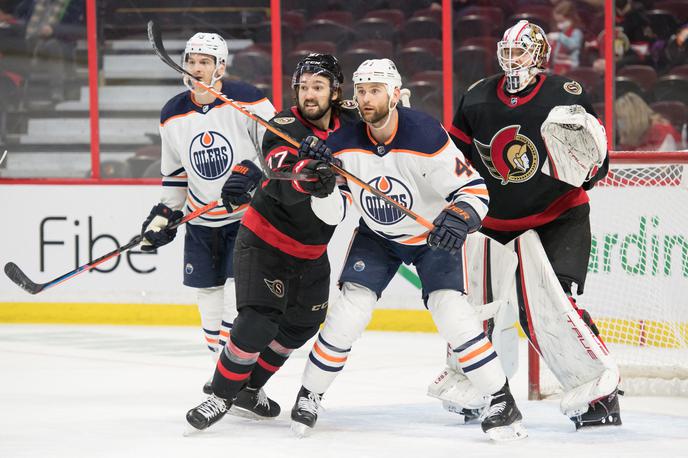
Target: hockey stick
[[4, 155], [23, 281], [155, 37]]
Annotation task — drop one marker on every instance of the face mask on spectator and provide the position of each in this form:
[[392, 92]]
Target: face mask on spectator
[[563, 25]]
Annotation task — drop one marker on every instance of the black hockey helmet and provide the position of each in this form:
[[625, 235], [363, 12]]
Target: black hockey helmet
[[323, 64]]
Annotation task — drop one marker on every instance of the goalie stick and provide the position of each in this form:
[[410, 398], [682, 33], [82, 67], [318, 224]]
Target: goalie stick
[[155, 37], [23, 281]]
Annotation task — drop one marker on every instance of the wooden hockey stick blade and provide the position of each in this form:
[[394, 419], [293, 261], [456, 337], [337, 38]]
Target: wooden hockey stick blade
[[18, 276], [155, 37]]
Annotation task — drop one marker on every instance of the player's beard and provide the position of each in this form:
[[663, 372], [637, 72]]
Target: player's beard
[[312, 113], [375, 116]]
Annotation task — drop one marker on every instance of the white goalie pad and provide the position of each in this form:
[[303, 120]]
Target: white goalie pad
[[576, 144], [576, 357], [491, 269]]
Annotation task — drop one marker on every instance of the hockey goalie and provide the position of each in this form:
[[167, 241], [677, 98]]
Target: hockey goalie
[[536, 140]]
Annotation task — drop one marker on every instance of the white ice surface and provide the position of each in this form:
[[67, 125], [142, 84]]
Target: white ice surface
[[105, 391]]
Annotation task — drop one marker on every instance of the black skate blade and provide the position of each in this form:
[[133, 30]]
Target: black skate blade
[[609, 420], [237, 411], [509, 433]]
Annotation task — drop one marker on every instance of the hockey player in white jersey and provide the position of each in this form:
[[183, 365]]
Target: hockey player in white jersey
[[407, 155], [203, 139]]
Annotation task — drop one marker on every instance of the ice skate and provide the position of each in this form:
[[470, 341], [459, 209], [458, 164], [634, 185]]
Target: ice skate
[[207, 413], [502, 419], [603, 412], [304, 414], [254, 403], [208, 387]]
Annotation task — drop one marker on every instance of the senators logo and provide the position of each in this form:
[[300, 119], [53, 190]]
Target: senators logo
[[510, 156], [210, 155], [381, 211]]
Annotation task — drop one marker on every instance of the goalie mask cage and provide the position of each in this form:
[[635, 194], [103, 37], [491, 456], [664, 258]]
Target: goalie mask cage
[[637, 284]]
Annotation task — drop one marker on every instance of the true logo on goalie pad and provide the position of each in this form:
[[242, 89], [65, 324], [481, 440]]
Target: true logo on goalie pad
[[510, 156], [276, 287]]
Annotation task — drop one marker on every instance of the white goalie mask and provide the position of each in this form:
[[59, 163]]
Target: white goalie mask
[[210, 44], [522, 54]]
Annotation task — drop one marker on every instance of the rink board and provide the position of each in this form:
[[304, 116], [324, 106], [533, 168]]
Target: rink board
[[61, 227]]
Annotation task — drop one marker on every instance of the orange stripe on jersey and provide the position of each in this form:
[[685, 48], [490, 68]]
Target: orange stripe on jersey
[[177, 116], [388, 141], [479, 191], [223, 211], [415, 239], [324, 355], [264, 99], [475, 353], [418, 153]]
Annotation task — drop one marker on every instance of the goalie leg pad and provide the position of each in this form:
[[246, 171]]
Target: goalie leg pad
[[346, 320], [458, 323], [570, 349]]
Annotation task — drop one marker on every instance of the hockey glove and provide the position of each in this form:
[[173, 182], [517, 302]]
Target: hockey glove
[[238, 188], [326, 178], [452, 227], [313, 148], [154, 229]]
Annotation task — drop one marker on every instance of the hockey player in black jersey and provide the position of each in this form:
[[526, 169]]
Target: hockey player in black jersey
[[538, 181], [280, 260]]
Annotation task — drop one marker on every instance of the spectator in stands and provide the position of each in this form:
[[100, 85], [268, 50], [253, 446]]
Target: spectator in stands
[[623, 53], [631, 18], [51, 30], [676, 51], [642, 129], [568, 40]]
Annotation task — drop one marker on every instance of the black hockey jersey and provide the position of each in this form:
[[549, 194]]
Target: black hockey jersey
[[280, 213], [500, 134]]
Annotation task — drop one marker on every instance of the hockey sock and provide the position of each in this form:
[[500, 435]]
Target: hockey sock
[[210, 305], [233, 370], [479, 363], [269, 361], [325, 362]]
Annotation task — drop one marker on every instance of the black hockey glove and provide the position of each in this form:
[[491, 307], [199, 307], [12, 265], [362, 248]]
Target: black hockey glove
[[154, 229], [237, 189], [313, 148], [452, 226], [326, 178]]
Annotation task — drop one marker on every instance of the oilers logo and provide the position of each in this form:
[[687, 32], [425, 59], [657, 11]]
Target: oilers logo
[[210, 155], [380, 211]]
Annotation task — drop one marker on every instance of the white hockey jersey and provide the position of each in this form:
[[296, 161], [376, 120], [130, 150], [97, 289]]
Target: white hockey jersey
[[419, 167], [201, 143]]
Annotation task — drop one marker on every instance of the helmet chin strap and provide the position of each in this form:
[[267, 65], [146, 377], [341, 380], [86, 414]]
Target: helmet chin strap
[[214, 79]]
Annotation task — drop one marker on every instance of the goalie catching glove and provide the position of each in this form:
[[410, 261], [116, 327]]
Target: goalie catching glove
[[576, 144], [452, 227], [239, 187], [154, 229]]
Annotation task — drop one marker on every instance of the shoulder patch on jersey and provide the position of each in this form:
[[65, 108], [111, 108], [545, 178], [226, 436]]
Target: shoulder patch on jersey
[[475, 84], [572, 87], [348, 103], [284, 120]]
